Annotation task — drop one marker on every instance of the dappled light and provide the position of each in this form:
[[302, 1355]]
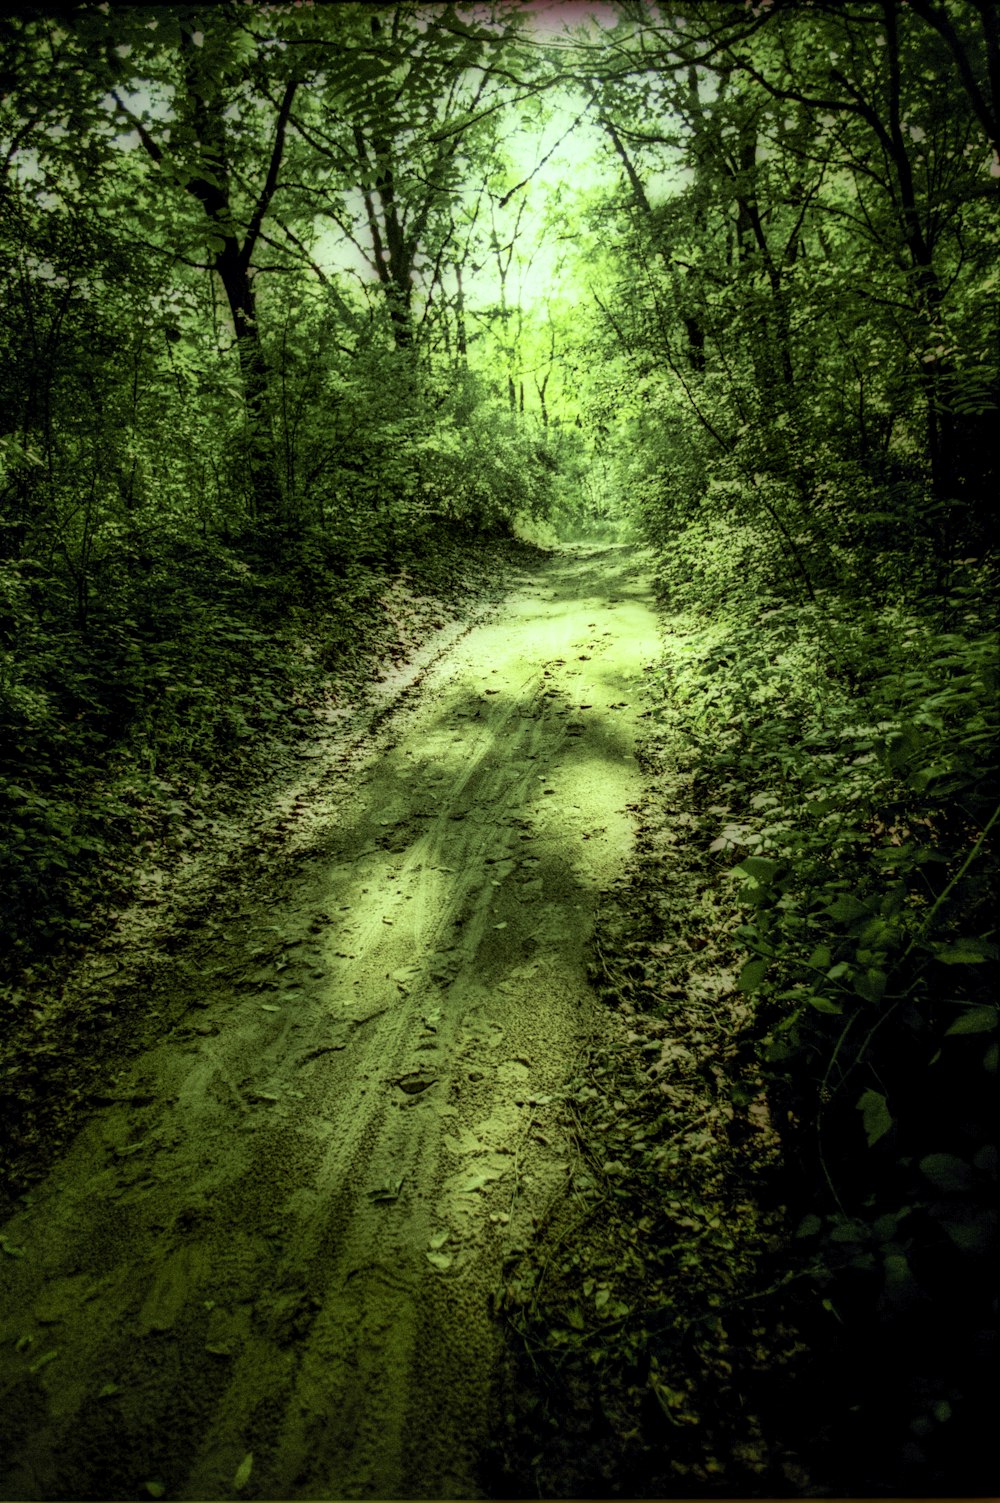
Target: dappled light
[[498, 662]]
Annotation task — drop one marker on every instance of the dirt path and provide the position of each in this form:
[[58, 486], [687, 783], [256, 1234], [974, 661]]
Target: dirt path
[[265, 1267]]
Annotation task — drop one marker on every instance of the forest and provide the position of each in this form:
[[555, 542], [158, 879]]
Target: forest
[[329, 333]]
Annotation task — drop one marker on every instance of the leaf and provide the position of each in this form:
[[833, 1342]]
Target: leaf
[[438, 1241], [10, 1249], [269, 1007], [479, 1180], [899, 1280], [762, 869], [154, 1488], [417, 1082], [875, 1116], [389, 1191], [925, 776], [985, 1159], [974, 1235], [439, 1260], [871, 984], [975, 1020], [964, 952], [243, 1471], [808, 1226], [846, 1230], [946, 1172], [825, 1004], [846, 909], [752, 975]]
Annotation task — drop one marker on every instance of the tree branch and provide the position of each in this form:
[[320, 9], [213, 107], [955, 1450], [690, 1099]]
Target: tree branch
[[271, 181], [151, 146]]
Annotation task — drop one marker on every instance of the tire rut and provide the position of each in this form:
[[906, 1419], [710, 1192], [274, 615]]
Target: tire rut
[[279, 1237]]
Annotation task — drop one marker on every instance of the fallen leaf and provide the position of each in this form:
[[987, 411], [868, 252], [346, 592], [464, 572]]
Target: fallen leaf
[[243, 1471], [439, 1260], [414, 1084], [479, 1180], [438, 1241], [388, 1191]]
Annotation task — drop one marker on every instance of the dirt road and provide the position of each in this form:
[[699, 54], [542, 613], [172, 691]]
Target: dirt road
[[264, 1269]]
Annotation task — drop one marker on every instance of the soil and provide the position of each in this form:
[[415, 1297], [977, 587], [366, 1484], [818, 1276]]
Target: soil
[[267, 1264]]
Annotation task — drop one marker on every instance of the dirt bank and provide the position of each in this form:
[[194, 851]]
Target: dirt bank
[[265, 1268]]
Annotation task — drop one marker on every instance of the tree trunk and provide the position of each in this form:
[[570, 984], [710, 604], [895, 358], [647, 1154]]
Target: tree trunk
[[238, 287]]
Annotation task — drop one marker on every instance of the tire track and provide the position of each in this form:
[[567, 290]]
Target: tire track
[[287, 1253]]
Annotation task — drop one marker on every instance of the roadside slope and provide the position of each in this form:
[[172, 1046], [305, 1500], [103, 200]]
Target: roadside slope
[[279, 1236]]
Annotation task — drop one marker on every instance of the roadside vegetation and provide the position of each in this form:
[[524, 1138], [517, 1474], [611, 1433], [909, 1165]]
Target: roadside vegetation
[[795, 1183], [227, 475]]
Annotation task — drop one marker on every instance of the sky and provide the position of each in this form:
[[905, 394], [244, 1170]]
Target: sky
[[561, 156], [552, 15]]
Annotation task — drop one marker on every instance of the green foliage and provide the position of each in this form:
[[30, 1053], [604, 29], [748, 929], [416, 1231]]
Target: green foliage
[[217, 443], [851, 755], [247, 375]]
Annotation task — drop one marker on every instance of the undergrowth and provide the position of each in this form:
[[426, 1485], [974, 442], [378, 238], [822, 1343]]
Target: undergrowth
[[853, 751], [206, 663], [779, 1280]]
